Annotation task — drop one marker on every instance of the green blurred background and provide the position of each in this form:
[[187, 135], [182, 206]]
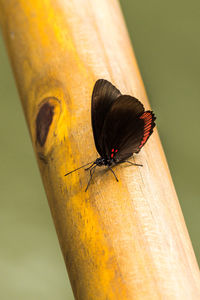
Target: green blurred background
[[166, 39]]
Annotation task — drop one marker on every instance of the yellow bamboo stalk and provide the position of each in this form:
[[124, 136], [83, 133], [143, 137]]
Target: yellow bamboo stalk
[[125, 240]]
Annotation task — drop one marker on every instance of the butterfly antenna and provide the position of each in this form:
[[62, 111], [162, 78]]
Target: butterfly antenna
[[79, 168]]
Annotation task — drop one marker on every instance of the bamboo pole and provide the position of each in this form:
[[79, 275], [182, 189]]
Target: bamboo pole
[[125, 240]]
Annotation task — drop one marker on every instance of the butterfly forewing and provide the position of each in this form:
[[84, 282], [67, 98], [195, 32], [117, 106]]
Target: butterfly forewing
[[123, 131], [103, 96]]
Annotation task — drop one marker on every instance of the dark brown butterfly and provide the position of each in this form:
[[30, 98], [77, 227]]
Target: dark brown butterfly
[[120, 126]]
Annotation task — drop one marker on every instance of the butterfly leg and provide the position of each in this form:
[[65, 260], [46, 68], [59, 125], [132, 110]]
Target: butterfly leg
[[113, 172], [133, 163], [92, 170]]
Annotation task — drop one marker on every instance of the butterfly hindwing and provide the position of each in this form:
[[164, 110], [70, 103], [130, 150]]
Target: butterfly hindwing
[[149, 123], [103, 96], [126, 128]]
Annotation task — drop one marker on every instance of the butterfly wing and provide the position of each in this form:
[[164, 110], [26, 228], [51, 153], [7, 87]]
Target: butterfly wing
[[126, 129], [103, 96], [149, 123]]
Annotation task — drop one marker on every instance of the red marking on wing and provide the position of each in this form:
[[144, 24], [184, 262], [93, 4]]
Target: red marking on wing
[[147, 116], [113, 152]]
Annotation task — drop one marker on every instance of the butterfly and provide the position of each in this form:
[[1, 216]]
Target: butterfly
[[121, 126]]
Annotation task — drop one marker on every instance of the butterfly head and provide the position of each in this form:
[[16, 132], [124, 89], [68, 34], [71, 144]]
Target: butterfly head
[[103, 162]]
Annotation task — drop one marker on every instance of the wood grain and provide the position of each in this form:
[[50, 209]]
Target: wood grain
[[125, 240]]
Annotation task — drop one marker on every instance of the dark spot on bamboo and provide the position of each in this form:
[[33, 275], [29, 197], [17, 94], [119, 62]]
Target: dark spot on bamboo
[[43, 122], [43, 158]]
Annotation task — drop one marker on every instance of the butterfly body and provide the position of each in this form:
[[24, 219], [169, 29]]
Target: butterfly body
[[100, 161]]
